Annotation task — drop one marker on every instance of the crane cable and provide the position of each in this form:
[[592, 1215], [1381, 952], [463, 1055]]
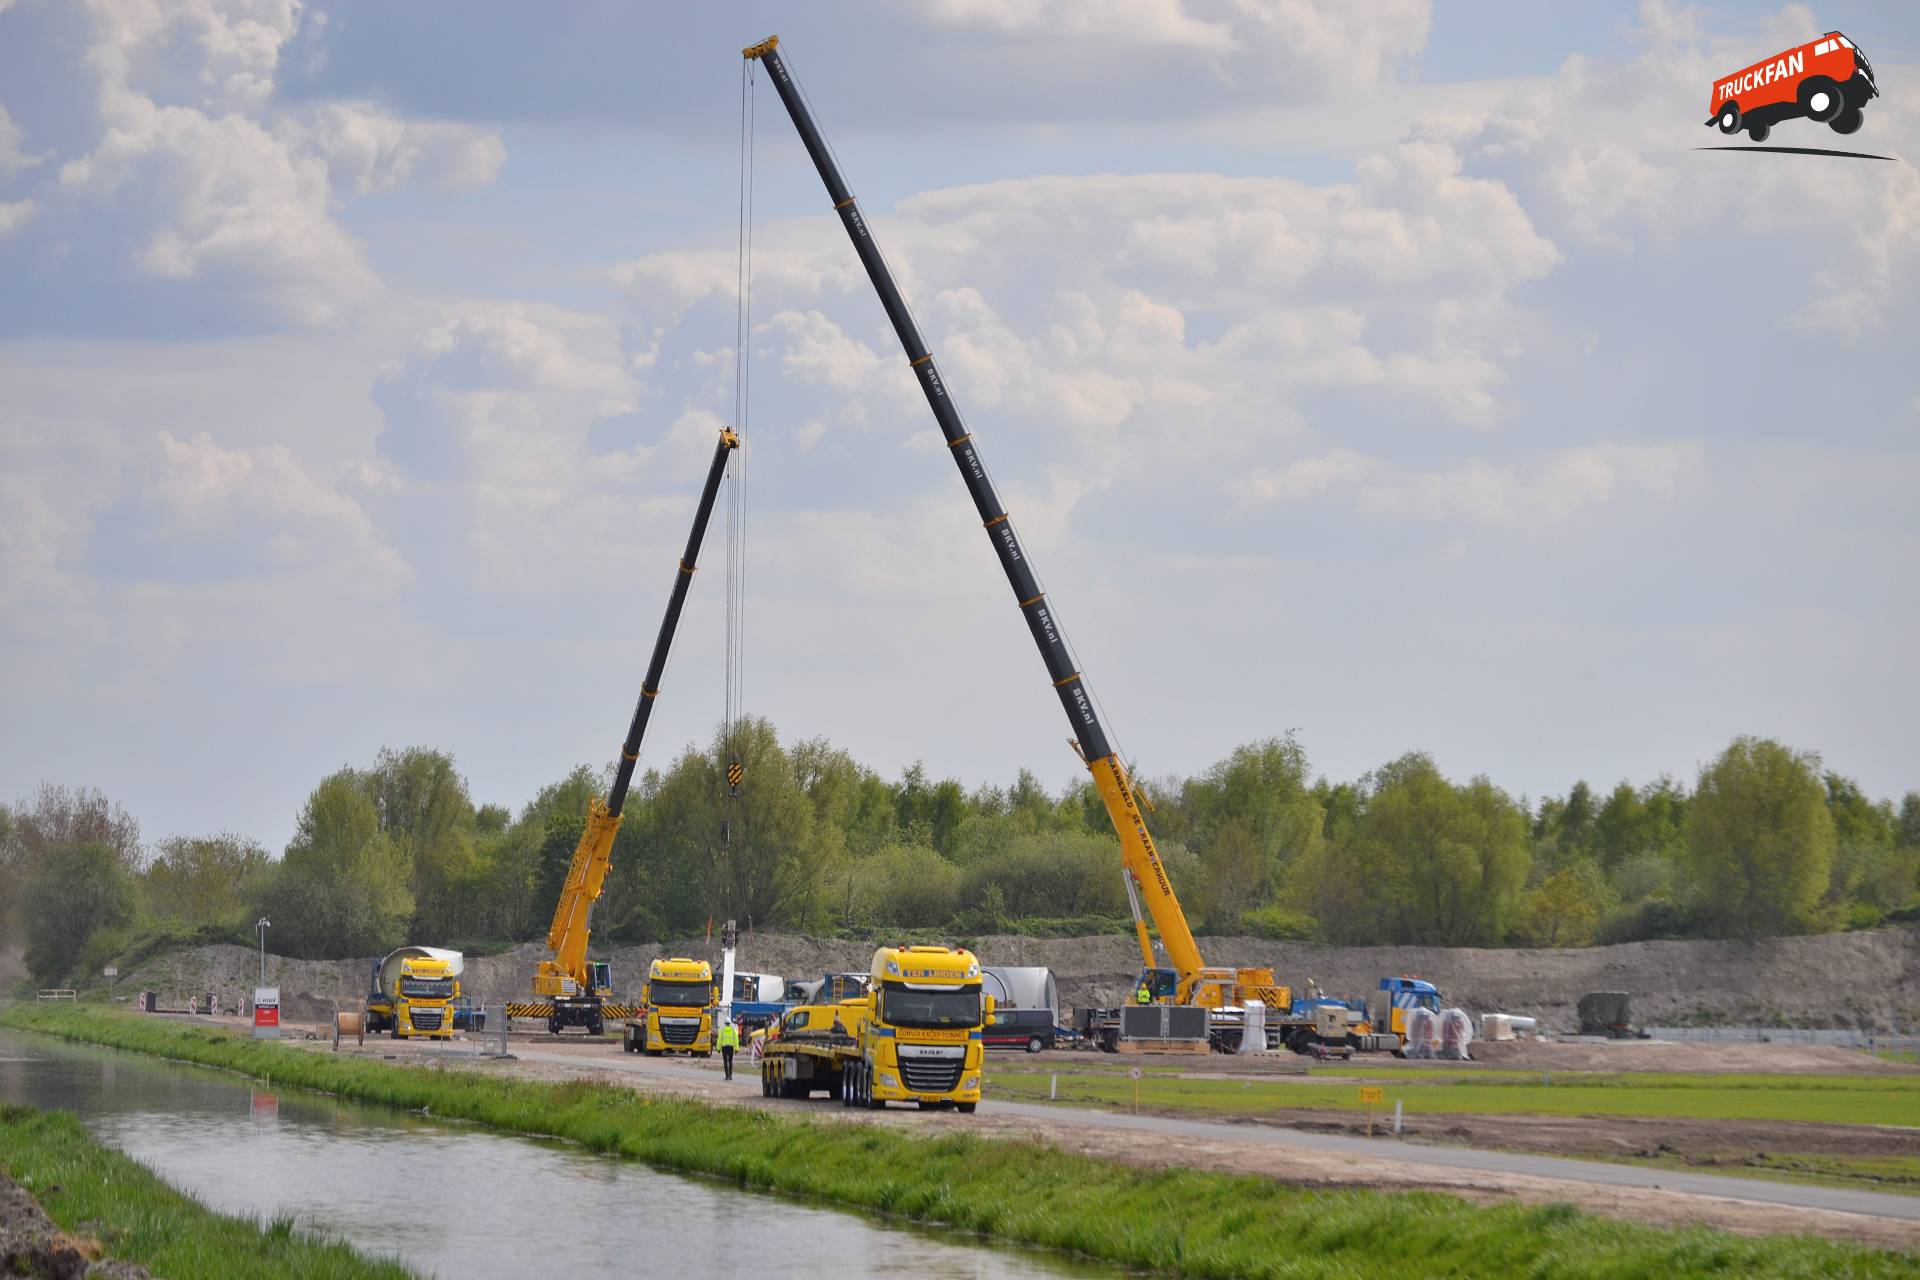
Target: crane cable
[[732, 748]]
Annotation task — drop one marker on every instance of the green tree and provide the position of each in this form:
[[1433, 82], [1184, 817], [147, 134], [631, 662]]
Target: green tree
[[1249, 818], [205, 880], [908, 886], [341, 889], [1428, 862], [425, 810], [1564, 909], [1759, 839], [1907, 827], [76, 890]]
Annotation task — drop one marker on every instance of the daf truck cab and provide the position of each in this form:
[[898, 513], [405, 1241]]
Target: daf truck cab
[[413, 991], [679, 1009], [922, 1040], [427, 992]]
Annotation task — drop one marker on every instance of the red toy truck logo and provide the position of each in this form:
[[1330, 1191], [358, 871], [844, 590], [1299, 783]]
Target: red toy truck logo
[[1828, 80]]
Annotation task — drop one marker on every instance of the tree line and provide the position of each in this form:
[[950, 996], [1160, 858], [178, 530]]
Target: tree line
[[1766, 842]]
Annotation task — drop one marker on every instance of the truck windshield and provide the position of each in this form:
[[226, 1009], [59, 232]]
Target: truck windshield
[[691, 995], [905, 1006], [426, 988]]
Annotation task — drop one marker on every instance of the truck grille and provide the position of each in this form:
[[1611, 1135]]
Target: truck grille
[[425, 1019], [679, 1032], [931, 1075]]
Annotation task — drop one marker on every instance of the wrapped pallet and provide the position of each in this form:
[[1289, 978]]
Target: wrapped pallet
[[1456, 1033], [1421, 1033], [1496, 1026]]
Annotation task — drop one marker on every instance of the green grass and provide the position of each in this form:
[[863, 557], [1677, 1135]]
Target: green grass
[[1175, 1221], [1882, 1100], [91, 1190]]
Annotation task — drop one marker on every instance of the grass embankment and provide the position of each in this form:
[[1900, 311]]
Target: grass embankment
[[1173, 1220], [1882, 1100], [91, 1190]]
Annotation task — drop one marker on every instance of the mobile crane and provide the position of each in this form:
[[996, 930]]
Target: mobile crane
[[577, 990], [1191, 981]]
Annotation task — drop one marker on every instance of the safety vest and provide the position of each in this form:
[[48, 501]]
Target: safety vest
[[729, 1036], [1143, 996]]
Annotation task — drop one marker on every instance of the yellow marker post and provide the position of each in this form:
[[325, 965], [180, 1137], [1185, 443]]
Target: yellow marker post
[[1370, 1097]]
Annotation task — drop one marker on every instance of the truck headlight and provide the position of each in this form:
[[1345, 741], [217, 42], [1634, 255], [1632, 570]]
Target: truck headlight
[[886, 1078], [971, 1082]]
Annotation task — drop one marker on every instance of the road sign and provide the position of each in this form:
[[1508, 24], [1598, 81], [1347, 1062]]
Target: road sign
[[1371, 1097], [266, 1013], [111, 971], [1135, 1073]]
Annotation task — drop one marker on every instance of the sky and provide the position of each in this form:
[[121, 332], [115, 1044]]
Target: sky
[[1398, 375]]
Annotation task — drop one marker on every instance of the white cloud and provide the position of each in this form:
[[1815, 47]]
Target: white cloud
[[1531, 494], [199, 180], [368, 150], [1842, 234], [1284, 46], [14, 214], [261, 509], [14, 157]]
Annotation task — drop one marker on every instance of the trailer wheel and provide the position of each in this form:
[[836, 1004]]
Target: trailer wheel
[[1848, 121], [1034, 1045], [1820, 98], [1730, 119], [965, 1108], [1758, 132]]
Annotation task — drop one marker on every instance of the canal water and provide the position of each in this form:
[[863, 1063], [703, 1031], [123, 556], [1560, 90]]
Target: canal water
[[454, 1202]]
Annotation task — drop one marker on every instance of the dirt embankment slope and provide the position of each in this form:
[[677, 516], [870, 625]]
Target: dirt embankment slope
[[1868, 980]]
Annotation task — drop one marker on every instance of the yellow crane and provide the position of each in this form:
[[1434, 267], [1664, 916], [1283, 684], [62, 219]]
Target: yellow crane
[[1189, 980], [577, 989]]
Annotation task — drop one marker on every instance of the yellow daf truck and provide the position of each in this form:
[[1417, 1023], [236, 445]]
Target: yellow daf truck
[[413, 993], [915, 1036], [679, 1010]]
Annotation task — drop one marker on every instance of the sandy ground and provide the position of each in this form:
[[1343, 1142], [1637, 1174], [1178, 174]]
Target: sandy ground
[[1555, 1135], [1868, 980]]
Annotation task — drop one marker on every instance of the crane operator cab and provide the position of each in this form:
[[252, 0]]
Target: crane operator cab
[[1162, 986], [600, 977]]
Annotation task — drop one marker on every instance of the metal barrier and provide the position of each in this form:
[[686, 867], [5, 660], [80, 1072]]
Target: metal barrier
[[1840, 1037], [58, 993]]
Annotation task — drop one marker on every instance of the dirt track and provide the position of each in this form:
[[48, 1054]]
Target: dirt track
[[1868, 980]]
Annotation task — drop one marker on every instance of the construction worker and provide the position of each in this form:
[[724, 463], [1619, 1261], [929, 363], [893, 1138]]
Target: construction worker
[[1144, 995], [729, 1041]]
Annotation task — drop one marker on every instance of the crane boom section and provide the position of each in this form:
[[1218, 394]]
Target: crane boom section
[[1109, 776], [572, 926]]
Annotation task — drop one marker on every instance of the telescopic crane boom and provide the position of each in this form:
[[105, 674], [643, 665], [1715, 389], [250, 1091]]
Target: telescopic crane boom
[[1196, 984], [578, 989]]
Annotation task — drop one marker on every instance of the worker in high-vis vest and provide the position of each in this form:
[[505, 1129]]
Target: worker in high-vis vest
[[729, 1041], [1144, 995]]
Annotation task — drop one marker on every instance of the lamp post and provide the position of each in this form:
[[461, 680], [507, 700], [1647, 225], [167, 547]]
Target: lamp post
[[261, 926]]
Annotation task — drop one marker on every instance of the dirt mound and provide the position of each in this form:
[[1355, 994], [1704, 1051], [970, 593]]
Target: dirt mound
[[1869, 981]]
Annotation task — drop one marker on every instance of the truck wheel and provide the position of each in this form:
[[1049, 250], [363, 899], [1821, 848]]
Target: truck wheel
[[1848, 121], [965, 1108], [1820, 98], [1758, 132], [1034, 1045], [596, 1027], [1730, 119], [835, 1088], [553, 1025]]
